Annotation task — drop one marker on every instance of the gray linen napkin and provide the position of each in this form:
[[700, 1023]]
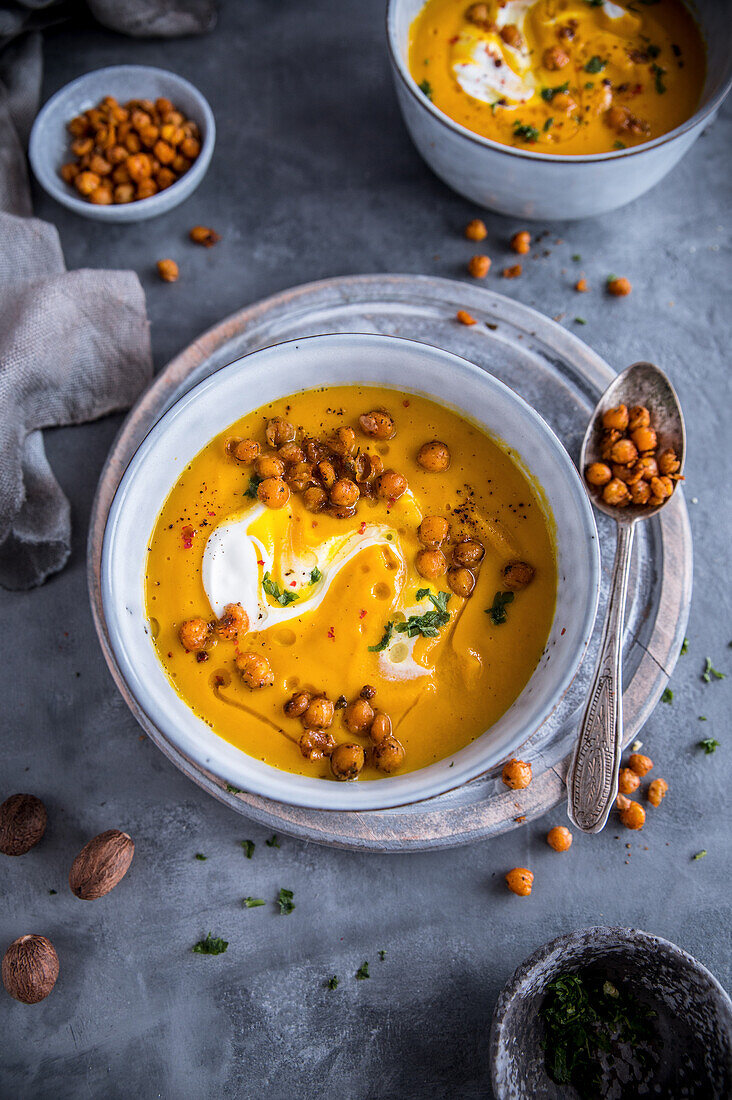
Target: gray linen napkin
[[74, 345]]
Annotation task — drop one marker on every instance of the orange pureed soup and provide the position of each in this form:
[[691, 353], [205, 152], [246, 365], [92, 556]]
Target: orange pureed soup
[[560, 76], [351, 582]]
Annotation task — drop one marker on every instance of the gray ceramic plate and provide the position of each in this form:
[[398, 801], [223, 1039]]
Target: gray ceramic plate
[[562, 379]]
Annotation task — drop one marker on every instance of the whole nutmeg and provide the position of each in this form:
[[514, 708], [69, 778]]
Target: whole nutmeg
[[30, 969], [101, 864], [22, 823]]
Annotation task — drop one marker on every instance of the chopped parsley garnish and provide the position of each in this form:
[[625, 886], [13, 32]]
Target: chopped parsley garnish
[[668, 696], [498, 611], [580, 321], [253, 903], [386, 638], [285, 902], [212, 945], [684, 648], [589, 86], [619, 145], [199, 855], [595, 64], [248, 846], [280, 596], [587, 1019], [421, 593], [709, 672], [659, 74], [428, 624], [233, 790], [548, 124], [315, 575], [332, 983], [526, 132], [382, 954], [426, 88], [251, 490], [709, 744], [549, 93], [273, 842], [700, 855], [362, 972]]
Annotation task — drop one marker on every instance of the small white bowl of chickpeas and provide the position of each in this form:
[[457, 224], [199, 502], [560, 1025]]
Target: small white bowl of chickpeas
[[123, 144]]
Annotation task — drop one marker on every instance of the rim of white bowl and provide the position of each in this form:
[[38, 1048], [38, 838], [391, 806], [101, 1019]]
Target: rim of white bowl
[[170, 714], [54, 186], [551, 158]]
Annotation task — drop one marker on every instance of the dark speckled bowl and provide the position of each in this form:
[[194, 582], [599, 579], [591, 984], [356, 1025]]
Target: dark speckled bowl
[[694, 1018]]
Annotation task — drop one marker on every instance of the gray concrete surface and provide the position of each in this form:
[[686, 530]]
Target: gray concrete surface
[[314, 176]]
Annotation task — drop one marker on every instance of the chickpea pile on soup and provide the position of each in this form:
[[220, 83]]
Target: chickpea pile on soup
[[351, 583]]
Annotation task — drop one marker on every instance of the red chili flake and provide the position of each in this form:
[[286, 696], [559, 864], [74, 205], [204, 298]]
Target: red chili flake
[[362, 614], [293, 584], [211, 513], [453, 40], [260, 562], [331, 633], [564, 631], [187, 535], [405, 404], [362, 528]]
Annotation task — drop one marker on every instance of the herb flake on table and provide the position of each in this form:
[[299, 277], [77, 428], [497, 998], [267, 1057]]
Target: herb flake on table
[[709, 744], [684, 647], [363, 972], [700, 855], [668, 696], [212, 945], [233, 790], [580, 321], [253, 903], [273, 842], [248, 846], [385, 639], [709, 671], [280, 596], [497, 611], [382, 954], [577, 258], [332, 983], [201, 856], [285, 902]]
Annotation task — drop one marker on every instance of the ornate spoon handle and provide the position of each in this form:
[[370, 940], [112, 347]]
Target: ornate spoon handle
[[592, 780]]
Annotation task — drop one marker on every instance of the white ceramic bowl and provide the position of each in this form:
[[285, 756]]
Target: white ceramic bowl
[[49, 149], [533, 185], [281, 370]]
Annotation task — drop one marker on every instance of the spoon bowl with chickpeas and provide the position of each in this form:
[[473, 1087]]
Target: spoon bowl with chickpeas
[[632, 458]]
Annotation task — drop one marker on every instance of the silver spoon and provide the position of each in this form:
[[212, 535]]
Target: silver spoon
[[592, 781]]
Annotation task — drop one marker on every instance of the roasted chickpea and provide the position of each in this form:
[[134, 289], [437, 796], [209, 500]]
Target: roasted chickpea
[[516, 774], [273, 492], [388, 755], [616, 418], [165, 178], [319, 714], [315, 744], [380, 727], [291, 454], [297, 704], [465, 318], [269, 465], [344, 493], [199, 234], [555, 58], [476, 230], [521, 242], [646, 467], [146, 188], [640, 492], [299, 476], [279, 431], [517, 574], [431, 563], [657, 791], [609, 437], [255, 669], [343, 441], [378, 424], [194, 634], [124, 192], [512, 36], [315, 498], [172, 135], [247, 450], [623, 452], [82, 146], [326, 473], [190, 148], [638, 417], [433, 530], [434, 456], [662, 487], [139, 165], [346, 761], [628, 474], [559, 838], [628, 781], [668, 462], [358, 716], [167, 270], [512, 272], [640, 764], [461, 580], [468, 551], [374, 467], [619, 288], [519, 881], [391, 485], [479, 266], [615, 493], [86, 182], [633, 816], [233, 622], [644, 439], [100, 165], [69, 172], [597, 473], [102, 195]]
